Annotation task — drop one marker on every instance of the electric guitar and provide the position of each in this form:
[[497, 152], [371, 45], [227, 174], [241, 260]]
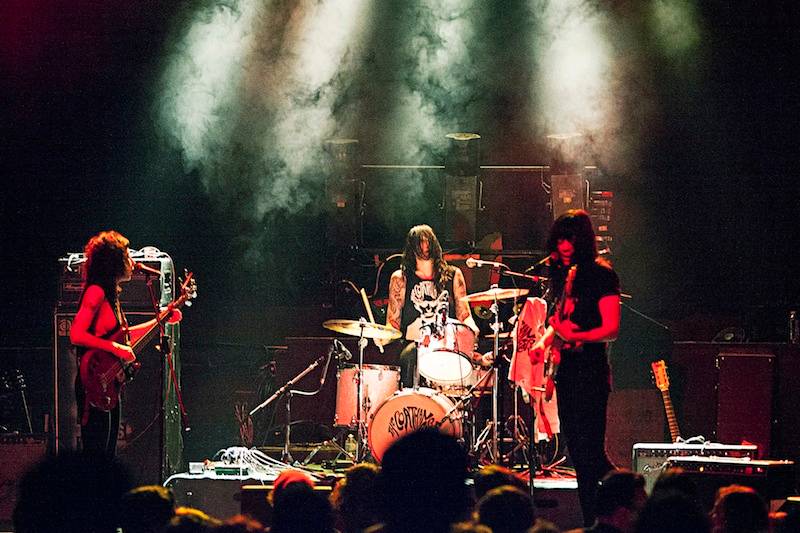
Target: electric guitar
[[662, 383], [103, 374], [553, 355]]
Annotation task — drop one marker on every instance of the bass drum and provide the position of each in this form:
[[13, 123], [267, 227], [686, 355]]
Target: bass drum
[[406, 411]]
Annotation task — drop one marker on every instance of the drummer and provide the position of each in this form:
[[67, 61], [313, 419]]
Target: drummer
[[416, 295]]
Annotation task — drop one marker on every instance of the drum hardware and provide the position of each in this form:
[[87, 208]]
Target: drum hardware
[[494, 294], [286, 455], [363, 330]]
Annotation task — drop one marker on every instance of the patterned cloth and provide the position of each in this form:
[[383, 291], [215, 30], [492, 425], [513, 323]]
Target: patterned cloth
[[531, 325]]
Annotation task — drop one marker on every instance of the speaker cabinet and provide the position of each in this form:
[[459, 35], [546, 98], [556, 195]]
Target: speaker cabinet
[[19, 454], [150, 437], [744, 398]]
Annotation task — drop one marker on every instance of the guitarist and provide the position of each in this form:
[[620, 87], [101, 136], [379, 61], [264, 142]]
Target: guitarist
[[582, 325], [100, 325]]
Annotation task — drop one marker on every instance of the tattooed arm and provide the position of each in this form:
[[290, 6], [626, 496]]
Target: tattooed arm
[[397, 293], [463, 311]]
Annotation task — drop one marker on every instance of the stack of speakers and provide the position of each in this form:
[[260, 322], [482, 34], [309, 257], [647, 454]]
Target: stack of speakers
[[150, 437]]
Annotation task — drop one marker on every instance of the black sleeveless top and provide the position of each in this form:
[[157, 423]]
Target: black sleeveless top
[[420, 304]]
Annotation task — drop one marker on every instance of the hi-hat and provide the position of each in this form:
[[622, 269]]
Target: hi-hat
[[357, 328], [494, 294]]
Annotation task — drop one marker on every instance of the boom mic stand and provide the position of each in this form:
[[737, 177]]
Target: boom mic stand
[[286, 455]]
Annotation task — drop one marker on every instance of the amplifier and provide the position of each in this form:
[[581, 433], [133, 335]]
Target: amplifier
[[135, 293], [772, 479], [651, 458], [19, 453]]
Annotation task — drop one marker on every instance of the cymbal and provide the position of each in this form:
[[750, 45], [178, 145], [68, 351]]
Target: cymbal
[[356, 328], [494, 294]]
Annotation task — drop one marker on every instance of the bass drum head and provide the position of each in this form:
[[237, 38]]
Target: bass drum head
[[406, 411]]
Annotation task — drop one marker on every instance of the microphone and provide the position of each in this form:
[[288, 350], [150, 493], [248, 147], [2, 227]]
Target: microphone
[[145, 268], [544, 261], [472, 263], [341, 350]]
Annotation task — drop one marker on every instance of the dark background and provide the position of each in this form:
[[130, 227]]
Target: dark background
[[706, 225]]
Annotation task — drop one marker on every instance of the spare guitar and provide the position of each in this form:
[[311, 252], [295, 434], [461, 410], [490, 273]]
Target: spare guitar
[[564, 309], [662, 383], [103, 374]]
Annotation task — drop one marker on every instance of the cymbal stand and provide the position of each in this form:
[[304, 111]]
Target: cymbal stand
[[490, 433], [361, 429], [519, 430]]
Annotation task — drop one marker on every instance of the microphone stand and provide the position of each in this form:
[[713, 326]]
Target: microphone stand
[[286, 456], [165, 347]]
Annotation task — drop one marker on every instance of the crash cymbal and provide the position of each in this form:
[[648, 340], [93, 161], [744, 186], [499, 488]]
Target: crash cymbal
[[494, 294], [356, 328]]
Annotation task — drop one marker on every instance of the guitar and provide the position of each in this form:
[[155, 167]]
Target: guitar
[[103, 374], [662, 382], [553, 356]]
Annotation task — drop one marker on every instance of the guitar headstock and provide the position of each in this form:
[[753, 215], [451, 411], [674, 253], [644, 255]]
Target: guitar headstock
[[660, 374], [188, 289], [570, 280]]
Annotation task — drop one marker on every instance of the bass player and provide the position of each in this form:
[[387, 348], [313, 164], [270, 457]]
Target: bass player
[[100, 324]]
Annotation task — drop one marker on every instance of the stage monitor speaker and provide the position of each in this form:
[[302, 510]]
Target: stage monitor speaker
[[222, 498], [19, 454], [150, 437], [651, 458], [745, 385]]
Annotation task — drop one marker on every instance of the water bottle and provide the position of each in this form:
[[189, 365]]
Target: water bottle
[[794, 328], [351, 446]]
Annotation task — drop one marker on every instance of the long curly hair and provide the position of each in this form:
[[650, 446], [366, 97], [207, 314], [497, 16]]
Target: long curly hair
[[576, 227], [442, 272], [106, 261]]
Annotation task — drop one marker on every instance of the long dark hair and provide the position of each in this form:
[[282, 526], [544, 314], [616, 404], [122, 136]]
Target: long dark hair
[[576, 227], [442, 272], [106, 262]]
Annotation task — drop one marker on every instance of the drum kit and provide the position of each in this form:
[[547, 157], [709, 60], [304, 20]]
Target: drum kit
[[369, 399]]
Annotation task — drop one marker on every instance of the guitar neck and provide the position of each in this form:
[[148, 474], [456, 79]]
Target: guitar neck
[[148, 335], [672, 420]]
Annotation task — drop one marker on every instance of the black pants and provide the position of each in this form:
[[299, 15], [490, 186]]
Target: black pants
[[582, 402], [99, 434]]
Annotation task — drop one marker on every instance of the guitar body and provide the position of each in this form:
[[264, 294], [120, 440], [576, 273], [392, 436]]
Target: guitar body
[[103, 375], [551, 368], [553, 357]]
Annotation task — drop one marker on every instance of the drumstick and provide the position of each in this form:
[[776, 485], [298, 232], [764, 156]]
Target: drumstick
[[370, 315]]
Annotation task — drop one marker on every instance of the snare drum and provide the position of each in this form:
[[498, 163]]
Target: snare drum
[[406, 411], [460, 389], [446, 360], [380, 381]]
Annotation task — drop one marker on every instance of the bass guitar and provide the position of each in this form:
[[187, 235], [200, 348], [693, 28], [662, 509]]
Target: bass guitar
[[553, 355], [103, 374]]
